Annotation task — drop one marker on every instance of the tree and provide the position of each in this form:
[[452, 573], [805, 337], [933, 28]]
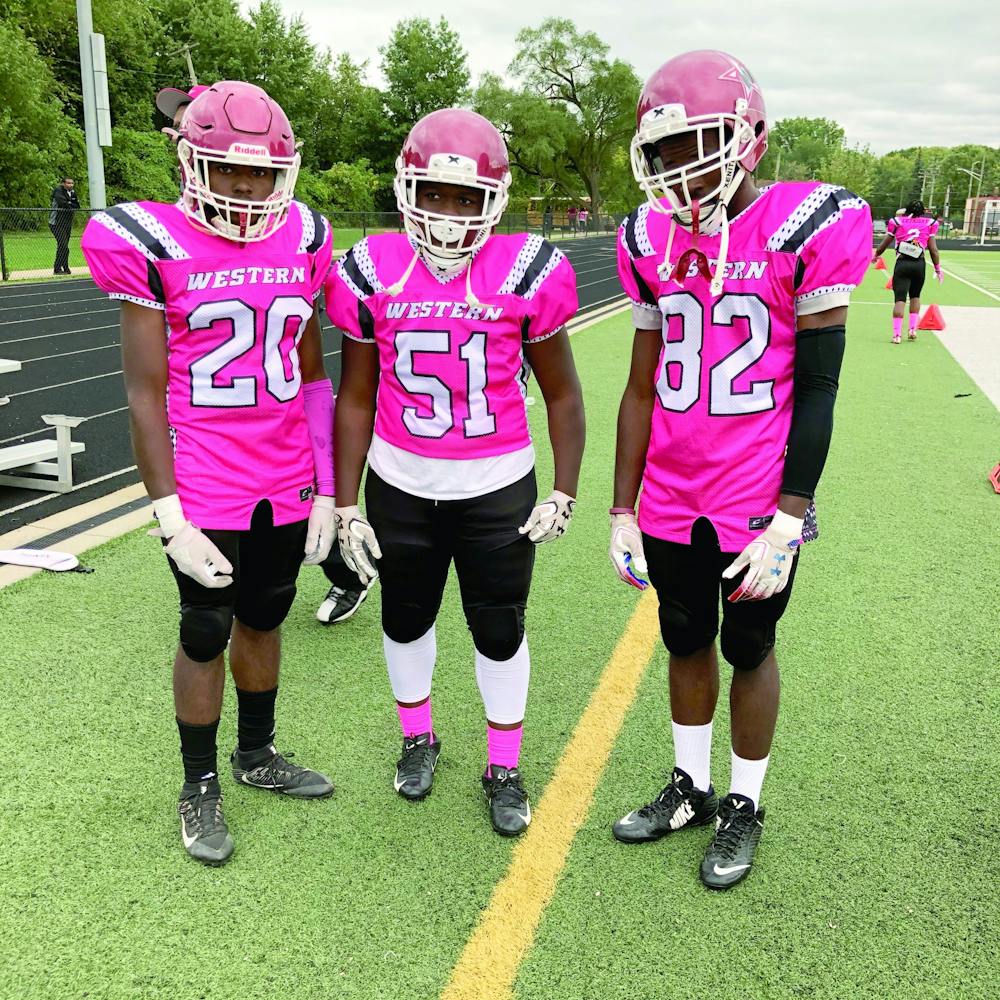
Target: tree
[[853, 168], [571, 70], [805, 142], [425, 68], [40, 143]]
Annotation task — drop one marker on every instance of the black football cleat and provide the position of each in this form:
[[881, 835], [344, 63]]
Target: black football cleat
[[341, 602], [680, 804], [729, 857], [415, 768], [203, 827], [269, 770], [510, 812]]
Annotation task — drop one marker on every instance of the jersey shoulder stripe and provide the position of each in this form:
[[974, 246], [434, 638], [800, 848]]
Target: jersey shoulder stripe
[[546, 261], [357, 270], [314, 229], [525, 256], [140, 229], [822, 207], [636, 233]]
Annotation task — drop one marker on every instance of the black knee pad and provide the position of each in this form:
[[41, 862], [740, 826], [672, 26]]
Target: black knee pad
[[267, 609], [746, 647], [205, 631], [405, 624], [497, 632], [682, 633]]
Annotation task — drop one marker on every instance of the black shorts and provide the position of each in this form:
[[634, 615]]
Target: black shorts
[[908, 277], [688, 581], [419, 538], [266, 563]]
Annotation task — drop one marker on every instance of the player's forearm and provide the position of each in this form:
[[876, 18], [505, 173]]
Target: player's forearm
[[567, 434], [883, 246], [154, 453], [352, 438], [634, 418]]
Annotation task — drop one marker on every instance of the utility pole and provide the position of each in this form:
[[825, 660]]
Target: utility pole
[[95, 157], [187, 49]]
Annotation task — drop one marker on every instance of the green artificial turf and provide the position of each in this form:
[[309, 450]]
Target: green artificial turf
[[873, 877]]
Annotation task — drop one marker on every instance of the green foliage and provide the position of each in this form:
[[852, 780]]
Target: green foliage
[[40, 143], [141, 166], [853, 168], [344, 187]]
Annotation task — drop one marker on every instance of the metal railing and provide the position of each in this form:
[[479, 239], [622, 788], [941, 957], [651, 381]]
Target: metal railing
[[30, 239]]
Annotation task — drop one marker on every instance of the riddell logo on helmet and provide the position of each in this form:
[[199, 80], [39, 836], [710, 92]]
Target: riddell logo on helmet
[[242, 149]]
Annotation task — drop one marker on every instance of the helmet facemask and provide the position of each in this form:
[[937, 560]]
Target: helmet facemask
[[448, 241], [735, 140], [242, 221]]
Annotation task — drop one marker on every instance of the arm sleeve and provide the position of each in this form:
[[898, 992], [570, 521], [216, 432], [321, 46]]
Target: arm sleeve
[[320, 407], [552, 302], [818, 357], [125, 270], [348, 292], [891, 226], [833, 262], [645, 311]]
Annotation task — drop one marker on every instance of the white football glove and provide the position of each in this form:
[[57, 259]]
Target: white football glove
[[321, 532], [939, 275], [768, 560], [549, 519], [192, 552], [357, 541], [626, 550]]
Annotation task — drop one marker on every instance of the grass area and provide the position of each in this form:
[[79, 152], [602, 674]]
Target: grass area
[[869, 881]]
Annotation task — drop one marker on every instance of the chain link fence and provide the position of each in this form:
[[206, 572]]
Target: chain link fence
[[31, 237]]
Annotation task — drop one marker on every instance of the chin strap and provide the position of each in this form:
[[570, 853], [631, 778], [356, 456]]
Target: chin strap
[[396, 287], [679, 271], [470, 295]]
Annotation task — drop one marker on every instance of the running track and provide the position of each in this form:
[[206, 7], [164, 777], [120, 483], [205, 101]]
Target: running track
[[66, 336]]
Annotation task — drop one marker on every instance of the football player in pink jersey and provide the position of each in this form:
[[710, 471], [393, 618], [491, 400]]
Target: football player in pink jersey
[[232, 422], [740, 301], [442, 326], [913, 232]]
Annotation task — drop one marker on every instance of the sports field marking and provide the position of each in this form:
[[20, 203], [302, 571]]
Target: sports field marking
[[965, 281], [506, 930], [971, 338]]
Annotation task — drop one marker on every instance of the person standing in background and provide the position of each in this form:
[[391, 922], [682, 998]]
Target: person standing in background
[[583, 217], [172, 102], [63, 205], [571, 215]]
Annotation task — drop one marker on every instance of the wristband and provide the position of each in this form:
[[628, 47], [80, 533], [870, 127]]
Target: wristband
[[170, 514], [622, 510]]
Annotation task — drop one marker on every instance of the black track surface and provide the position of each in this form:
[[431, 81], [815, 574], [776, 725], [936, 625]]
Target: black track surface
[[66, 336]]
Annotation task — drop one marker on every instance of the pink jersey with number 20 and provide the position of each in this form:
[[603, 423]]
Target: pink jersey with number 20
[[724, 381], [234, 316]]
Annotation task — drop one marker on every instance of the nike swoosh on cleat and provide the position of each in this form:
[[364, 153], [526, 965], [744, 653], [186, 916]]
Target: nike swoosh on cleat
[[730, 870], [627, 820], [247, 781], [526, 816]]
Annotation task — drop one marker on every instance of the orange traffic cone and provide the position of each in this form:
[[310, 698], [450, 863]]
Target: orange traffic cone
[[880, 264], [995, 478], [888, 285], [931, 320]]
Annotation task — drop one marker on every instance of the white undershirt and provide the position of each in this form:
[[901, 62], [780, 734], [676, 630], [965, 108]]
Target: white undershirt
[[448, 478]]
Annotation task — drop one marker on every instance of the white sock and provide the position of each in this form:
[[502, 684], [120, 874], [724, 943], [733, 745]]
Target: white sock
[[503, 684], [748, 777], [411, 666], [693, 752]]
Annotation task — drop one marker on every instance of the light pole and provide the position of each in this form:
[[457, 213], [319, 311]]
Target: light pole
[[95, 157]]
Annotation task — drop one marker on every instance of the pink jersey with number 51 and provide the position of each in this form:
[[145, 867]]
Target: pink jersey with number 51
[[452, 371], [725, 376], [234, 315]]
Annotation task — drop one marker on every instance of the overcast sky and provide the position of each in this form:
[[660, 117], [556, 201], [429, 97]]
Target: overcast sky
[[923, 72]]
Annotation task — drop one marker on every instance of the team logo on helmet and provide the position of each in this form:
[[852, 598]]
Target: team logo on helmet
[[738, 73]]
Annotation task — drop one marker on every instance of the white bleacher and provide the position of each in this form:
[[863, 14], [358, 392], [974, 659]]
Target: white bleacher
[[51, 459]]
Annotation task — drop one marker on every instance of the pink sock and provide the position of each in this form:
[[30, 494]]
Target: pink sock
[[897, 325], [913, 322], [415, 720], [504, 746]]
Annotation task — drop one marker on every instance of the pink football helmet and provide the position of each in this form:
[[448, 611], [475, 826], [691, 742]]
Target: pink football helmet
[[699, 92], [452, 146], [236, 123]]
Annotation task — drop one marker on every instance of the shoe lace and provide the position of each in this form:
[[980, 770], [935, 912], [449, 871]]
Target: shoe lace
[[203, 811], [336, 593], [666, 802], [733, 824], [507, 789], [276, 769], [417, 754]]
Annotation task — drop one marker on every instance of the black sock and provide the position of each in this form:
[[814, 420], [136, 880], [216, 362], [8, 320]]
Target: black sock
[[256, 718], [198, 750]]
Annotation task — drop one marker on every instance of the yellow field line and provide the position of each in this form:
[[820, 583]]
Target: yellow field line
[[489, 963]]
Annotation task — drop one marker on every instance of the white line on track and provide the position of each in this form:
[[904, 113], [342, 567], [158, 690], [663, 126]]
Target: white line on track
[[59, 385], [38, 319], [45, 430], [65, 333], [67, 354], [60, 302]]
